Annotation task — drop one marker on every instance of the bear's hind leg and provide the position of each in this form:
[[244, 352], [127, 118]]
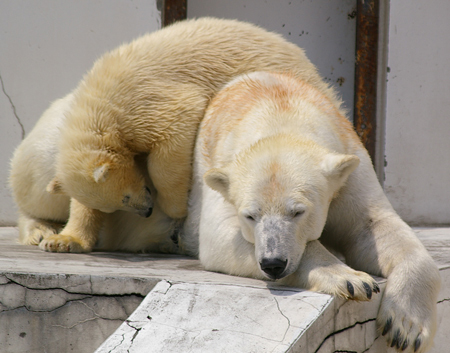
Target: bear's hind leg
[[32, 231]]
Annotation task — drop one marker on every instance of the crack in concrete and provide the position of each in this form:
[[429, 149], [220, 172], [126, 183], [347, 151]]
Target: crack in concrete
[[443, 300], [137, 329], [13, 107], [288, 320], [117, 295], [342, 330], [118, 345], [27, 307], [83, 321]]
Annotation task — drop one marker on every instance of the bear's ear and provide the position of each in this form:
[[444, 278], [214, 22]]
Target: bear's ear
[[217, 180], [54, 187], [339, 166], [101, 173]]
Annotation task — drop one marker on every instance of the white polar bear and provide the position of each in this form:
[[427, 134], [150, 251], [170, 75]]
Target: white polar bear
[[145, 97], [278, 166], [42, 214]]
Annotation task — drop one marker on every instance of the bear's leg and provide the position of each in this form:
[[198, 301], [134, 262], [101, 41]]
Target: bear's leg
[[81, 232], [364, 227], [407, 315], [170, 169], [321, 271], [32, 230]]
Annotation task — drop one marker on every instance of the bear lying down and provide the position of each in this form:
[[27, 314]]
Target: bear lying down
[[277, 166], [145, 98]]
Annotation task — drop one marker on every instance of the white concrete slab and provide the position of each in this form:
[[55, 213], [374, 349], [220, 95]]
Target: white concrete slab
[[182, 317], [73, 302]]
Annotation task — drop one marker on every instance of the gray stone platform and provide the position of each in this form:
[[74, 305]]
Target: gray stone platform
[[165, 303]]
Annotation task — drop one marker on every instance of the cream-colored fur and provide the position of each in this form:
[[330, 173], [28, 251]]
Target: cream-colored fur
[[278, 172], [42, 214], [148, 97]]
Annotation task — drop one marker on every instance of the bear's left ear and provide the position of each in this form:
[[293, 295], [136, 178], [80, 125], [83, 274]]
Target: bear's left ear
[[100, 173], [339, 166], [217, 180], [55, 187]]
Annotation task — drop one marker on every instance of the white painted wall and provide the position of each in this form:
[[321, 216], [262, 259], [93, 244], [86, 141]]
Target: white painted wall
[[418, 111], [45, 48]]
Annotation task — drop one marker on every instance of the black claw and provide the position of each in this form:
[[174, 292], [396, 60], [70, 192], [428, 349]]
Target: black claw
[[396, 339], [387, 327], [399, 343], [350, 289], [405, 344], [368, 290], [376, 288], [417, 344]]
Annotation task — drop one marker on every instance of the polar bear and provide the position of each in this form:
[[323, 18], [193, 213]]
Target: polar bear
[[148, 97], [42, 214], [278, 172]]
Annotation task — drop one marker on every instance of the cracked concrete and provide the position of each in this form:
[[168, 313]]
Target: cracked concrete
[[13, 107], [73, 302], [48, 319], [244, 317], [335, 338]]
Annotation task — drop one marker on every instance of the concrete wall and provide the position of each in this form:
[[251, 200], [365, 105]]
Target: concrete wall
[[417, 115], [45, 48], [326, 29]]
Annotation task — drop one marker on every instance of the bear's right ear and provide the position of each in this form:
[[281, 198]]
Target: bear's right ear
[[101, 173], [339, 166], [55, 187], [217, 180]]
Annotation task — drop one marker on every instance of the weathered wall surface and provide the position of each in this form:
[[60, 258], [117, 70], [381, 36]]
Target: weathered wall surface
[[417, 117], [326, 29], [45, 48]]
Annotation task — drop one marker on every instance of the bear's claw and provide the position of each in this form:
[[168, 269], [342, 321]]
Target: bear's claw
[[387, 327], [396, 341], [368, 290], [376, 287], [405, 344], [350, 289], [417, 344]]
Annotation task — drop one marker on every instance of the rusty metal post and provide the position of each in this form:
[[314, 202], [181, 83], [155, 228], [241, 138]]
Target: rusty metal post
[[173, 10], [366, 75]]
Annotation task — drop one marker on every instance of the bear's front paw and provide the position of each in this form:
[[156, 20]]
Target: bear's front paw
[[342, 281], [64, 243], [406, 331]]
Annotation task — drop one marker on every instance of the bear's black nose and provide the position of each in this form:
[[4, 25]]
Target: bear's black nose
[[148, 213], [145, 213], [273, 267]]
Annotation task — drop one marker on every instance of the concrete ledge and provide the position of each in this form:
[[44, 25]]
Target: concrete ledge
[[184, 317], [73, 302]]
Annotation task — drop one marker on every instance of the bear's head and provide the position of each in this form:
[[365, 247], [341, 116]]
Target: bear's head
[[103, 180], [281, 189]]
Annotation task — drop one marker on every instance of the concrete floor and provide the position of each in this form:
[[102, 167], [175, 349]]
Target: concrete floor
[[145, 303]]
